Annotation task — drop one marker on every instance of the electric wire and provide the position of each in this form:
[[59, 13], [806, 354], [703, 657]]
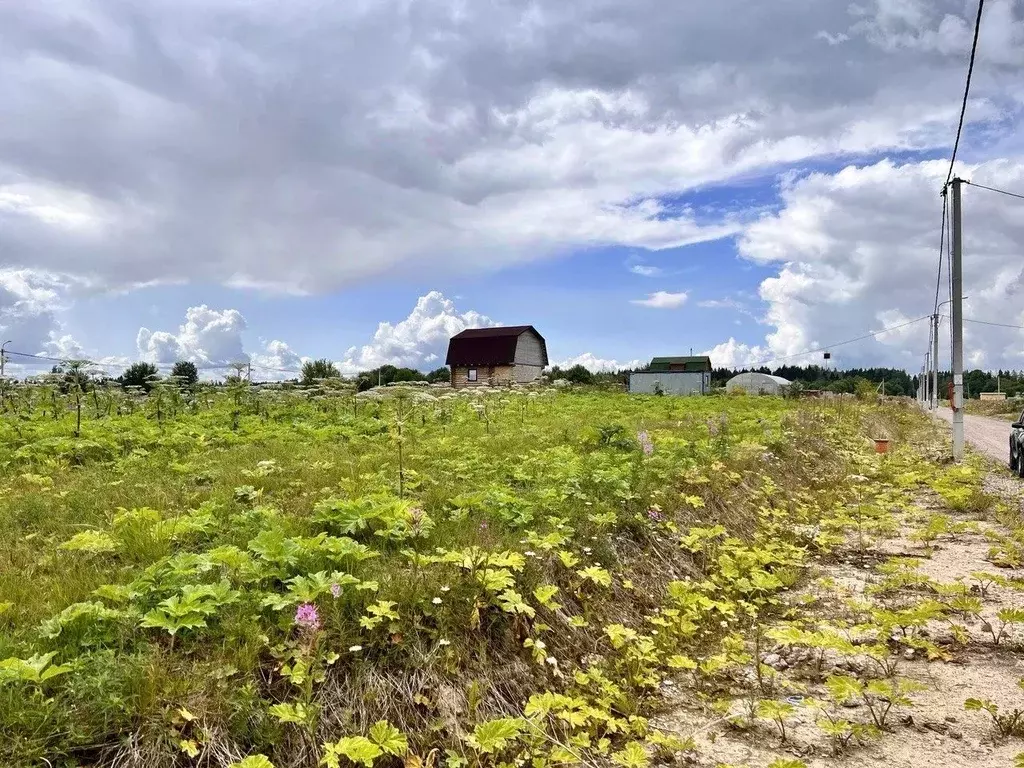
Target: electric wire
[[942, 241], [967, 90], [994, 189], [209, 367], [828, 347]]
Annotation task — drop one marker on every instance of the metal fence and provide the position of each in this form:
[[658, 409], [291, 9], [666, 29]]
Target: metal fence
[[670, 382]]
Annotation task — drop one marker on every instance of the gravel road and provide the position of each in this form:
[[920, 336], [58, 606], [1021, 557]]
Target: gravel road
[[989, 436]]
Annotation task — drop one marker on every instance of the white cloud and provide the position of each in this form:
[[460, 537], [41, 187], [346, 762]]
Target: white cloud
[[30, 301], [418, 341], [662, 300], [735, 354], [479, 136], [726, 303], [65, 347], [476, 136], [833, 39], [277, 361], [207, 337], [596, 364], [645, 270], [212, 338], [840, 277]]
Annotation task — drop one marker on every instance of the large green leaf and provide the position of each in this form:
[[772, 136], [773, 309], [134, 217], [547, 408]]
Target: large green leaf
[[494, 735], [389, 738], [253, 761], [358, 749], [632, 756]]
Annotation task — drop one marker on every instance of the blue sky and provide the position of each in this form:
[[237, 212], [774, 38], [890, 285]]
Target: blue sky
[[573, 298], [221, 181]]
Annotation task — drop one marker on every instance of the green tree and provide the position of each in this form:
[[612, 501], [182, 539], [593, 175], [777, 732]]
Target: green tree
[[314, 370], [186, 373], [387, 374], [576, 375], [864, 389], [440, 374], [140, 374]]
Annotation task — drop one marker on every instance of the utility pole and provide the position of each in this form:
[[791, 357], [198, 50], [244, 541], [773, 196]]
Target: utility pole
[[3, 357], [927, 378], [935, 361], [957, 325]]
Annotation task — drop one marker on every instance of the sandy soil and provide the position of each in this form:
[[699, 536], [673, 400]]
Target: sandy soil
[[936, 732], [989, 436]]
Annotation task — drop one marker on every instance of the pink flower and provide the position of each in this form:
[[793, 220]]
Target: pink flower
[[483, 526], [336, 590], [307, 618], [645, 443], [654, 514]]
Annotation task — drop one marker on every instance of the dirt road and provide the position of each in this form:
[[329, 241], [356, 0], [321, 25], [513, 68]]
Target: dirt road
[[989, 436]]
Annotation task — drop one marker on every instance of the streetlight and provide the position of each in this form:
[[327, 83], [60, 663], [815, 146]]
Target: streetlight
[[3, 357], [944, 303]]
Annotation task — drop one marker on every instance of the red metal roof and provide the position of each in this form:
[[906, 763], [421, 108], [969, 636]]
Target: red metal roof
[[489, 346]]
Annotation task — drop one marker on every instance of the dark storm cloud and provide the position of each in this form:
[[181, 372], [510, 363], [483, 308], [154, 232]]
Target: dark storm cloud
[[313, 144]]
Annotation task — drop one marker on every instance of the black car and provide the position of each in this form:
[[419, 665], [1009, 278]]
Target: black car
[[1017, 446]]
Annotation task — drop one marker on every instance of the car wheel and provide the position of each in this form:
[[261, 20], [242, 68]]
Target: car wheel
[[1013, 459]]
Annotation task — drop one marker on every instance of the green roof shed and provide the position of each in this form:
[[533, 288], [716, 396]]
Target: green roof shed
[[692, 363]]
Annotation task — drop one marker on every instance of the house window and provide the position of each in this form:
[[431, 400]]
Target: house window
[[471, 375]]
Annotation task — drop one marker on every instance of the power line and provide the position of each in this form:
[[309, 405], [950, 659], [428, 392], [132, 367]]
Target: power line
[[967, 90], [942, 241], [998, 325], [870, 335], [994, 189], [989, 322], [208, 367], [37, 357]]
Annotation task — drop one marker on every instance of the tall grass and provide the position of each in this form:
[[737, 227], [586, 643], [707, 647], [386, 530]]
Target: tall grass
[[536, 494]]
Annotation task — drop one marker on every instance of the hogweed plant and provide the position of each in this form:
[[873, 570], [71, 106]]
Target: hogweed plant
[[1006, 723], [279, 525], [999, 628]]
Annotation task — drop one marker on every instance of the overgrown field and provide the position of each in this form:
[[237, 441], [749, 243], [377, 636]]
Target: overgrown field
[[1008, 409], [458, 579]]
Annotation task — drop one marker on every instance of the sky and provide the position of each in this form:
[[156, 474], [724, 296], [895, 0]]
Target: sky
[[225, 180]]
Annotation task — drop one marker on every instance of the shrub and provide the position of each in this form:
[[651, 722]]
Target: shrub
[[140, 374], [575, 375], [314, 370], [186, 373]]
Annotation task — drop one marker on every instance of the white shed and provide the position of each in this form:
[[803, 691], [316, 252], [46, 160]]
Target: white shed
[[758, 384]]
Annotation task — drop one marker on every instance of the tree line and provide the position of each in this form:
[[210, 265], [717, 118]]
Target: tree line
[[816, 377], [143, 375]]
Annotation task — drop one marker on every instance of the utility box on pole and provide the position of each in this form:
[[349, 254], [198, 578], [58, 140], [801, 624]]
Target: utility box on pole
[[957, 324]]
